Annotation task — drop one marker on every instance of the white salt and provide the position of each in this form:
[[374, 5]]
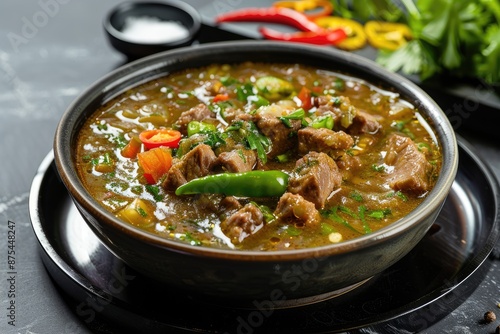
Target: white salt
[[147, 29]]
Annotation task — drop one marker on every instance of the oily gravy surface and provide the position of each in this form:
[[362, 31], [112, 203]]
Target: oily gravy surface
[[258, 156]]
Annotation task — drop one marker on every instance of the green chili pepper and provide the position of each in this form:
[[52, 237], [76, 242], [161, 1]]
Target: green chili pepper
[[258, 100], [244, 91], [247, 184], [195, 127], [322, 122]]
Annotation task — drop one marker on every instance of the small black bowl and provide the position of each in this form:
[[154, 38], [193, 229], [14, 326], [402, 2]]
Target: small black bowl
[[171, 24]]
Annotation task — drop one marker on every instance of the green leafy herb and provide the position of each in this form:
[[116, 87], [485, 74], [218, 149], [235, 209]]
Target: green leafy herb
[[339, 84], [136, 190], [326, 229], [356, 196], [266, 212], [228, 80], [155, 191], [285, 157], [379, 214], [141, 212], [385, 10], [220, 108], [215, 139], [378, 168], [332, 214], [192, 240], [252, 136], [258, 100], [293, 231], [362, 213], [402, 196], [347, 211], [298, 114], [244, 91], [458, 38]]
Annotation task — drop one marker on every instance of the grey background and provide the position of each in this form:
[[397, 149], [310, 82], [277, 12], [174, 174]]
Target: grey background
[[52, 50]]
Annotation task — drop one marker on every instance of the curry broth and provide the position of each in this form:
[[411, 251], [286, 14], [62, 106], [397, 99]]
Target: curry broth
[[362, 204]]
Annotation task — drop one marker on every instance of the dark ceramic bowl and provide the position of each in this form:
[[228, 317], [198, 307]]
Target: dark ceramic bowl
[[293, 275], [139, 29]]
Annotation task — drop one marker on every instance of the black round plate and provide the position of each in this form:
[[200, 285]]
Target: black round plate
[[101, 286]]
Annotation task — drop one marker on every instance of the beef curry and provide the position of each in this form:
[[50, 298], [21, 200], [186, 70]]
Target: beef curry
[[258, 156]]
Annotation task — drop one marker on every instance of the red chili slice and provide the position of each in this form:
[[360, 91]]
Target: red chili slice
[[160, 137], [305, 97]]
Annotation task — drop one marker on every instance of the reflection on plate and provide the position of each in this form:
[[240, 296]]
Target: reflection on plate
[[405, 295]]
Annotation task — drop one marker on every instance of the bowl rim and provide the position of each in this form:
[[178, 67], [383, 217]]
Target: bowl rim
[[141, 68], [173, 4]]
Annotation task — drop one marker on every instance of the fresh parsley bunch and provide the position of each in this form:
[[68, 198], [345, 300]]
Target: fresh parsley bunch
[[456, 37]]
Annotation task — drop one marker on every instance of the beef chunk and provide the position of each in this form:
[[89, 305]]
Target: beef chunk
[[323, 140], [364, 123], [229, 203], [243, 223], [316, 175], [196, 163], [411, 168], [233, 114], [240, 160], [280, 135], [294, 209], [196, 113]]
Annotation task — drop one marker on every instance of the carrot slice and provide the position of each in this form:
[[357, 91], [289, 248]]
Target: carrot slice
[[155, 163], [220, 97]]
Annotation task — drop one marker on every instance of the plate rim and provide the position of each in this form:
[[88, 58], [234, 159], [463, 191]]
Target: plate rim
[[471, 266]]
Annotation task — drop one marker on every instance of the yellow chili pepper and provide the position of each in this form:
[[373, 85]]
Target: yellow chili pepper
[[311, 8], [387, 35], [356, 36]]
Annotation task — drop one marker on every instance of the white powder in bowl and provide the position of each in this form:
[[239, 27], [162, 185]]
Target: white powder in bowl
[[147, 29]]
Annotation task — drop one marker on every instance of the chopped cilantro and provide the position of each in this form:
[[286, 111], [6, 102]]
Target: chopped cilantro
[[141, 212], [155, 191]]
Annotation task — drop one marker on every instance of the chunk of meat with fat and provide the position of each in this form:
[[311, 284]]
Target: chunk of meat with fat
[[196, 163], [229, 203], [279, 134], [411, 168], [243, 223], [236, 161], [364, 123], [316, 175], [293, 208], [323, 140]]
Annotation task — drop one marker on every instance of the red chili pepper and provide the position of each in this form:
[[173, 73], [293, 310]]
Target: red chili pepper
[[221, 97], [323, 38], [271, 15], [305, 97], [160, 137]]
